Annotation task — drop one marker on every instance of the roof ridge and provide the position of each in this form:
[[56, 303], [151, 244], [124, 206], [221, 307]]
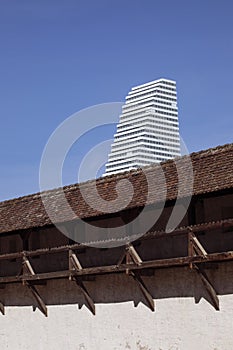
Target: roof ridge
[[106, 179]]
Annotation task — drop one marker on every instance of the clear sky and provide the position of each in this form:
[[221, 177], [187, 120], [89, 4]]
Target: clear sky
[[60, 56]]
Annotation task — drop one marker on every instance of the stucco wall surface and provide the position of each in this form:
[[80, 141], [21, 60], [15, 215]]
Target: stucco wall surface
[[185, 318]]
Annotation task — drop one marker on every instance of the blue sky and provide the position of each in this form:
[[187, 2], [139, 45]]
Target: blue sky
[[58, 57]]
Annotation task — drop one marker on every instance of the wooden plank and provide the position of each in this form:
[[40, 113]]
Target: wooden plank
[[134, 255], [208, 226], [197, 246], [159, 263], [144, 290], [28, 265], [38, 298], [149, 235], [190, 248], [2, 308], [86, 294], [210, 289], [74, 261], [190, 244]]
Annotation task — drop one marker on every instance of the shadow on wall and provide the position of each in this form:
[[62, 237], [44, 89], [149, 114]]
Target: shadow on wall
[[179, 282]]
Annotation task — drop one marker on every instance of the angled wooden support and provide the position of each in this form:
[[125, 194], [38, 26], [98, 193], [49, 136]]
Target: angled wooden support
[[210, 289], [2, 308], [74, 263], [27, 266], [134, 255], [144, 290], [27, 270], [87, 297], [129, 256], [195, 247], [38, 298]]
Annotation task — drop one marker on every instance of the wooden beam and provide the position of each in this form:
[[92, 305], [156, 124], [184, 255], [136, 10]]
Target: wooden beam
[[134, 255], [197, 246], [158, 263], [207, 226], [155, 234], [210, 289], [85, 293], [74, 262], [27, 264], [2, 308], [144, 290], [38, 298], [130, 256], [190, 248]]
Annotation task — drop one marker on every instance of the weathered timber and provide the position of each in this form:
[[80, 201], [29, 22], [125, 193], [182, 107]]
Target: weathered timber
[[38, 298], [199, 249], [144, 289], [27, 264], [74, 262], [87, 297], [155, 234], [159, 263], [210, 289], [134, 255]]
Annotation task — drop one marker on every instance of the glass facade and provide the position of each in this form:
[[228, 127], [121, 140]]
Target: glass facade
[[148, 129]]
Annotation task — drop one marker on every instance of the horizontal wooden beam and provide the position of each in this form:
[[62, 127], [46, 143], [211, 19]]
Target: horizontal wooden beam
[[207, 226], [149, 235], [159, 263]]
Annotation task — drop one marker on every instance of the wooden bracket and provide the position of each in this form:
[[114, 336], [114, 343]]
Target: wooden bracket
[[87, 297], [134, 255], [74, 263], [144, 290], [27, 266], [195, 247], [130, 256], [38, 298], [2, 308], [210, 289], [27, 269]]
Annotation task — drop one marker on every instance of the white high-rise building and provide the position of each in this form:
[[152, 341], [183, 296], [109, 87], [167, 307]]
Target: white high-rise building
[[148, 130]]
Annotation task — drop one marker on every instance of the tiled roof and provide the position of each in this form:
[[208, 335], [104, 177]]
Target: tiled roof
[[212, 169]]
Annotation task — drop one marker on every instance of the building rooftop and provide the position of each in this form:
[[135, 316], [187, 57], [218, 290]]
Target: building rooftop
[[212, 170]]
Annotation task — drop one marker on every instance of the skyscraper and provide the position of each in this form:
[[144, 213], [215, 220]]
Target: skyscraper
[[148, 130]]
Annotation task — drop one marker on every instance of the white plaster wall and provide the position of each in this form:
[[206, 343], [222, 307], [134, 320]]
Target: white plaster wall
[[177, 324]]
